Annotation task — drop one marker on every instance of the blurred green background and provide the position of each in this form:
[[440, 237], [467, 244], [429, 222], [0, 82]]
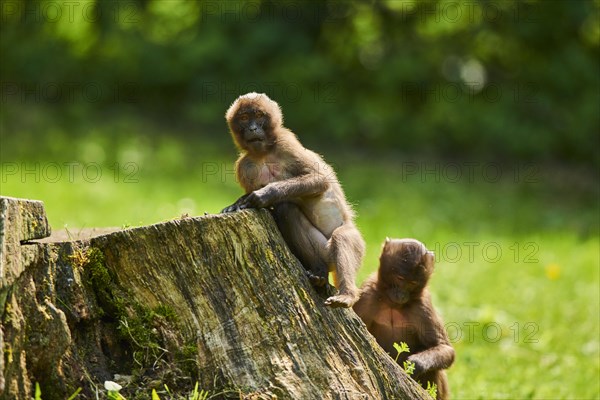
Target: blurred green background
[[472, 126]]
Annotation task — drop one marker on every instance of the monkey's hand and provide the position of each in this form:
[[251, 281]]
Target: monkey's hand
[[316, 280], [235, 206], [260, 198], [231, 208], [341, 300], [420, 367]]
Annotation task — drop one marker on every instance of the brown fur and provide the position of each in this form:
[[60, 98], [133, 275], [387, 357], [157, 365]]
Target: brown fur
[[305, 196], [395, 305]]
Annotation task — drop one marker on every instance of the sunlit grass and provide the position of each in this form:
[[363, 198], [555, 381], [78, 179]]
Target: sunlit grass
[[517, 276]]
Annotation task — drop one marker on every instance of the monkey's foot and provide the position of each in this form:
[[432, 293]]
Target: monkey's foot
[[316, 280], [341, 300]]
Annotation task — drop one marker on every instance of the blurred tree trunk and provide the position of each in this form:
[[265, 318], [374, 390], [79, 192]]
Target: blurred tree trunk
[[216, 299]]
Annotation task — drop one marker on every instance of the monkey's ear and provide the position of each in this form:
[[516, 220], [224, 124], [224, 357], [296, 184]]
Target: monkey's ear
[[232, 109], [386, 242], [429, 256]]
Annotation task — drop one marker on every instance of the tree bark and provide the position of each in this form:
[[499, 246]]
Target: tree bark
[[217, 299]]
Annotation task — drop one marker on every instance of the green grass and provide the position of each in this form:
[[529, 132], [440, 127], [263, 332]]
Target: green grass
[[517, 275]]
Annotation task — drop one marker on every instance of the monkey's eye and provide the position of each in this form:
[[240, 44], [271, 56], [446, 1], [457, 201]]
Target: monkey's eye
[[410, 285], [407, 282], [244, 117], [259, 114]]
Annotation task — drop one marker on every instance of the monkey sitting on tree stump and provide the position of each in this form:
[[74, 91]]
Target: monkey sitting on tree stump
[[395, 305], [303, 192]]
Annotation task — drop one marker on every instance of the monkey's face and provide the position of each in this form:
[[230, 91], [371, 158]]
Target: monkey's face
[[253, 119], [405, 267], [251, 126]]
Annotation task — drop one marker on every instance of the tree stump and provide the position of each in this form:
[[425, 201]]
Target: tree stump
[[218, 300]]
